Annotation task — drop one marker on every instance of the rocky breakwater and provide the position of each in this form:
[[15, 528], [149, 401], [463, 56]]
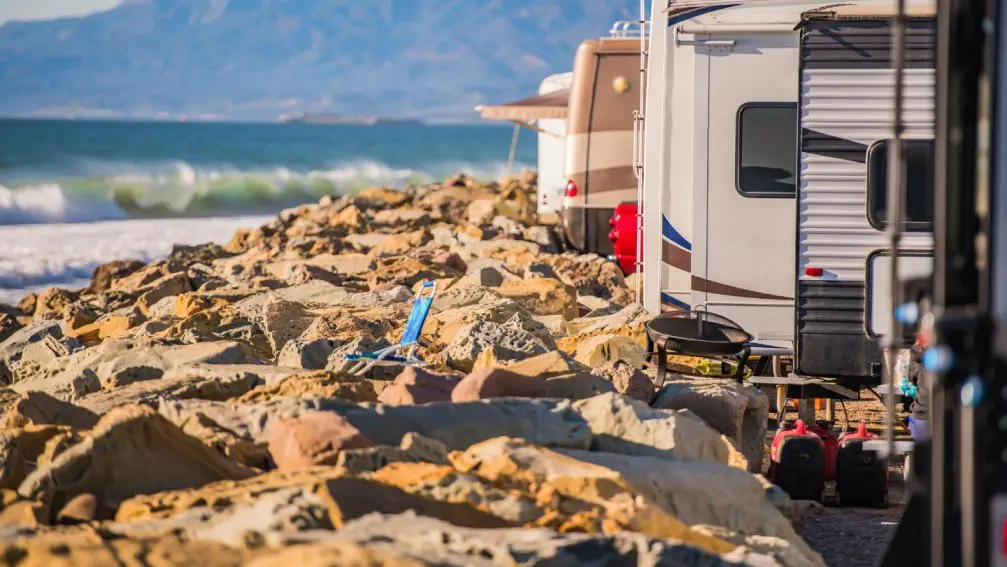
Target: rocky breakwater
[[197, 410]]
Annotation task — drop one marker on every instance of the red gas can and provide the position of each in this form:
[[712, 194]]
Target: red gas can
[[797, 462], [861, 475], [623, 236], [830, 444]]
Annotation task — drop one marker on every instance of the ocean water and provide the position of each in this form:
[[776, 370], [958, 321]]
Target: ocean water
[[74, 194]]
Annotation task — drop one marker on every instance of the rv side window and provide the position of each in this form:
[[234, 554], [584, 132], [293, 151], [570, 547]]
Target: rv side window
[[767, 149], [919, 184]]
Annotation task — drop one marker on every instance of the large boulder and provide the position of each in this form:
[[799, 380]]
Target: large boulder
[[38, 408], [284, 321], [489, 383], [456, 425], [543, 296], [412, 539], [623, 425], [115, 363], [628, 380], [506, 342], [319, 383], [313, 438], [739, 411], [105, 274], [417, 386], [599, 350], [131, 451]]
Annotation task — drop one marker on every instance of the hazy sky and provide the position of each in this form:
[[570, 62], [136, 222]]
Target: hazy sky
[[47, 9]]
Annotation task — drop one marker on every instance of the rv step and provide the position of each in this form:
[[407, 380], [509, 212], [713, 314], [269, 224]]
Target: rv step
[[808, 387]]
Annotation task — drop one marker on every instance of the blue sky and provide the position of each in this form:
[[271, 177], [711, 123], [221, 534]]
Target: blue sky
[[48, 9]]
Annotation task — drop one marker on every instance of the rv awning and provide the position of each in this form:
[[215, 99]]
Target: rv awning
[[542, 107]]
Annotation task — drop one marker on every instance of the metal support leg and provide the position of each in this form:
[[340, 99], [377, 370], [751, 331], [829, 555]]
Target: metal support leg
[[806, 410]]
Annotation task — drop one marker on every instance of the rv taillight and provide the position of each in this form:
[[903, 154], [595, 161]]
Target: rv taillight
[[813, 272], [571, 188]]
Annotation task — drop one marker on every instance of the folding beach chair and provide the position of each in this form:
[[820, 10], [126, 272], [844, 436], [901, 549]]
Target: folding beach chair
[[410, 337]]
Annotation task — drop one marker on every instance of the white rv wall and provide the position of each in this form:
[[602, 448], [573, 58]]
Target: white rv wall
[[552, 150]]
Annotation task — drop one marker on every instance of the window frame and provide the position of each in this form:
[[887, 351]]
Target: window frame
[[882, 224], [739, 135]]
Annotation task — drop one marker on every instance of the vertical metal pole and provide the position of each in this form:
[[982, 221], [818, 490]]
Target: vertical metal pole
[[638, 144], [896, 205], [513, 147]]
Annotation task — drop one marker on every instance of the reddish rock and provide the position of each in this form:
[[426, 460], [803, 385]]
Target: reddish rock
[[105, 274], [497, 383], [415, 386], [313, 438]]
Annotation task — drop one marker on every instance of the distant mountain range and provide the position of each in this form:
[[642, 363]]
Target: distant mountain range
[[260, 59]]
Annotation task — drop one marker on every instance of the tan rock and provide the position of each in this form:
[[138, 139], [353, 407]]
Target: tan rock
[[111, 326], [351, 218], [131, 451], [167, 286], [498, 383], [321, 384], [351, 498], [223, 494], [628, 380], [187, 304], [389, 197], [414, 448], [553, 363], [623, 425], [80, 509], [39, 408], [543, 296], [52, 302], [17, 512], [577, 386], [333, 554], [313, 438], [88, 549], [20, 449], [284, 321], [596, 351], [739, 411]]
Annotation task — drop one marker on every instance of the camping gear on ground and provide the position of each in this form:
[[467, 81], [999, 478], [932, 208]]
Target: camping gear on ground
[[797, 462], [861, 474], [696, 333], [410, 337]]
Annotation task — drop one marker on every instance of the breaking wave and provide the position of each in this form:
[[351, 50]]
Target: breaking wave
[[181, 190]]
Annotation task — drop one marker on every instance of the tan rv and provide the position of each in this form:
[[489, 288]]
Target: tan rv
[[599, 152]]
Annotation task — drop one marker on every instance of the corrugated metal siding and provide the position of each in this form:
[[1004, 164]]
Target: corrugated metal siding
[[866, 44], [847, 105]]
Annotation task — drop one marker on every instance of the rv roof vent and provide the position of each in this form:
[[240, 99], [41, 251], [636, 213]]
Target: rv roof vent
[[628, 28]]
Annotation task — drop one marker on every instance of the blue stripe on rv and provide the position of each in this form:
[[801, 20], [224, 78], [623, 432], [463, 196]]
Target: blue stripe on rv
[[667, 298], [673, 235]]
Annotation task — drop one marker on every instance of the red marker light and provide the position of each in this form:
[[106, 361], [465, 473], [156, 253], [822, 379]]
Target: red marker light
[[614, 235], [813, 272], [571, 188]]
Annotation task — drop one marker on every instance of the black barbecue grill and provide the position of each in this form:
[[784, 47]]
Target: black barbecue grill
[[697, 333]]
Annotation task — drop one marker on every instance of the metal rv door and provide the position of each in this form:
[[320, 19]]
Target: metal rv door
[[747, 266]]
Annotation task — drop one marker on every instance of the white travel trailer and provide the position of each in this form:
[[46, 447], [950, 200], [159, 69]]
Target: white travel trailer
[[725, 169], [847, 114], [546, 114]]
